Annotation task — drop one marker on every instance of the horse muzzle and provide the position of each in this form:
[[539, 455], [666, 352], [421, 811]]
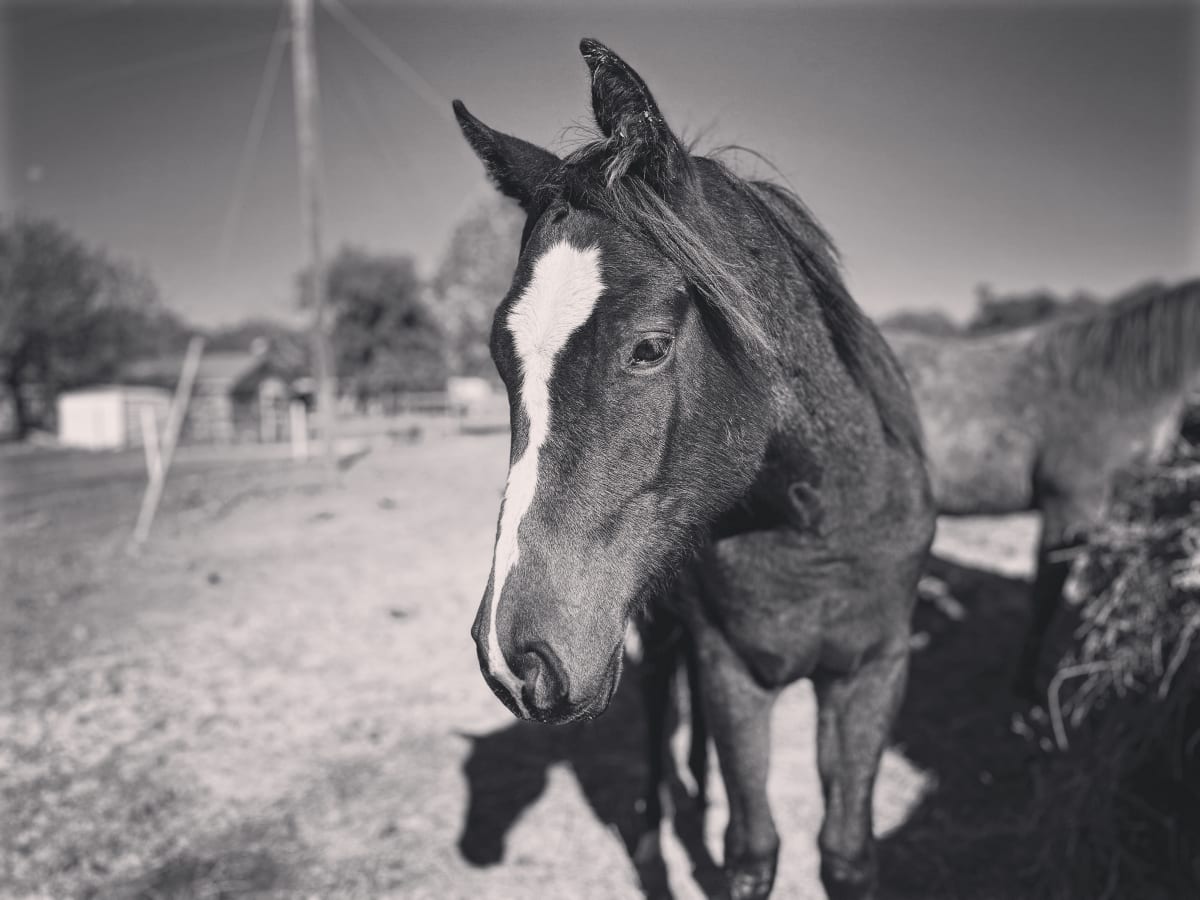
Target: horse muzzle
[[547, 692]]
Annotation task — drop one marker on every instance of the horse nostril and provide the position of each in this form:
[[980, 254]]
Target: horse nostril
[[543, 675]]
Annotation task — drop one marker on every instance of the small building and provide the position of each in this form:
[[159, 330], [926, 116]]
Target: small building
[[463, 392], [236, 396], [109, 417], [477, 404]]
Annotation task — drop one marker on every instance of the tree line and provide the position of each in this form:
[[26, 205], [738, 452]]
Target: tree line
[[996, 312], [73, 315]]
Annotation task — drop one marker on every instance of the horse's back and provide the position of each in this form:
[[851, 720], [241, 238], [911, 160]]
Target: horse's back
[[1009, 416]]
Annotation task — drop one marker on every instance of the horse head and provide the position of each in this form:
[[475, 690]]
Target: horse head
[[635, 418]]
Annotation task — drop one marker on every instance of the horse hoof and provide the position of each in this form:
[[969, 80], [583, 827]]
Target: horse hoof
[[751, 880]]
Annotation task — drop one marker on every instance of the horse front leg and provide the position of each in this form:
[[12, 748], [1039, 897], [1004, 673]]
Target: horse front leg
[[1046, 594], [660, 639], [855, 716], [1064, 523], [698, 747], [738, 712]]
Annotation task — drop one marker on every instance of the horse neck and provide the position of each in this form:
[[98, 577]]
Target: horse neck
[[838, 392], [827, 428]]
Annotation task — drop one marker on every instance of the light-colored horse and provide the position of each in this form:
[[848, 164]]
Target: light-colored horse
[[1041, 419]]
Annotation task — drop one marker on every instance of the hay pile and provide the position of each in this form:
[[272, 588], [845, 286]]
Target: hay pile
[[1137, 590], [1117, 800]]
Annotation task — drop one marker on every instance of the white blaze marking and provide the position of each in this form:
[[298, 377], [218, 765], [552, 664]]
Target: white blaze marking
[[557, 301]]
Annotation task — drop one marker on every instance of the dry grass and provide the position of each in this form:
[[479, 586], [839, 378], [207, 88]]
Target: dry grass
[[279, 697]]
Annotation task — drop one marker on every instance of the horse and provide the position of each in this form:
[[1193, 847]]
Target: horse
[[701, 416], [1041, 418]]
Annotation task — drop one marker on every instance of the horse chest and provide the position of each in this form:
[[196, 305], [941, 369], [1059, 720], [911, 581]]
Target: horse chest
[[792, 604]]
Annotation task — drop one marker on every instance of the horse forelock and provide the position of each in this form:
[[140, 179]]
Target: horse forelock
[[1146, 342]]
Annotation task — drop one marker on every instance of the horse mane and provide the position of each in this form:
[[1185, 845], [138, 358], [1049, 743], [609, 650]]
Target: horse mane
[[597, 176], [856, 340], [1145, 342]]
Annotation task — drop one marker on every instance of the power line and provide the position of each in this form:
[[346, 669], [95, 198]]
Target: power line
[[389, 58], [304, 78], [254, 133], [364, 118]]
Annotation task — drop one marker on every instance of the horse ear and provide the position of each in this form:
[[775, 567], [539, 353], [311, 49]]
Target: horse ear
[[627, 115], [518, 167]]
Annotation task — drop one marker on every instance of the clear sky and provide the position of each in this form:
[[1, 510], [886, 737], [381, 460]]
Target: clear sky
[[1019, 144]]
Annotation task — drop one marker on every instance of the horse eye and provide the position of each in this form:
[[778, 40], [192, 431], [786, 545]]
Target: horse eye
[[651, 350]]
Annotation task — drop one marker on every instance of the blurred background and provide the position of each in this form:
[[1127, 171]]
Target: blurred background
[[269, 689]]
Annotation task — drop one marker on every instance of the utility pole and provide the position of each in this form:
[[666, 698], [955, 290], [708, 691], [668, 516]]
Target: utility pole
[[304, 78]]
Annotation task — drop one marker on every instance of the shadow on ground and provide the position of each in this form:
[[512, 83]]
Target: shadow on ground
[[964, 840], [507, 771], [961, 842]]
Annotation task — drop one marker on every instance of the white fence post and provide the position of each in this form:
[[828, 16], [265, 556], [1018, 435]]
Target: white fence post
[[298, 426], [150, 442]]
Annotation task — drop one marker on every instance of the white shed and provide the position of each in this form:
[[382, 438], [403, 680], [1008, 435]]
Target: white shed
[[108, 417]]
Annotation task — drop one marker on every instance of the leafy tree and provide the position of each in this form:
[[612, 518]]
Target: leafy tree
[[242, 337], [1138, 292], [995, 312], [932, 322], [385, 336], [289, 348], [472, 279], [69, 315]]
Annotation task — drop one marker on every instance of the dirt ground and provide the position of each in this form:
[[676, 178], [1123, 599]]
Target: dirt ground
[[279, 698]]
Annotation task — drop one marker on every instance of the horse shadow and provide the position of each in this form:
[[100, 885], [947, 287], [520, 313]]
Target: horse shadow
[[955, 725], [963, 839], [507, 771]]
